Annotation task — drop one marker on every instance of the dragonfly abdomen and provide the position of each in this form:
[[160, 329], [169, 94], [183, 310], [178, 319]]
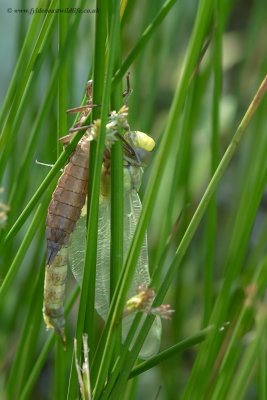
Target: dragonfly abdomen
[[67, 201], [54, 292]]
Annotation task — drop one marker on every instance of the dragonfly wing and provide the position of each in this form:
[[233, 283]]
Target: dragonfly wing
[[132, 210], [77, 254], [102, 290], [77, 248]]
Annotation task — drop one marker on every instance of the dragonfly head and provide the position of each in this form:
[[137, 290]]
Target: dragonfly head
[[142, 141], [140, 144]]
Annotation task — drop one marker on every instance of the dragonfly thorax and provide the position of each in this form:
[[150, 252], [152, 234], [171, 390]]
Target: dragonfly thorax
[[132, 176]]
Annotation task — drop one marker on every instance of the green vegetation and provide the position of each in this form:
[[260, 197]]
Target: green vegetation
[[195, 70]]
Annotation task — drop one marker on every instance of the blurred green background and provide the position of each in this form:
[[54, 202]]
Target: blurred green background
[[233, 231]]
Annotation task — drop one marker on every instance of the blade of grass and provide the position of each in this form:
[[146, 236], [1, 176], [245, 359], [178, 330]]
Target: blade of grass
[[91, 242], [63, 76], [98, 85], [121, 358], [117, 193], [60, 370], [177, 348], [35, 223], [249, 360], [262, 369], [72, 145], [229, 364], [144, 366], [42, 188], [7, 136], [211, 222], [19, 182], [126, 10], [24, 55], [21, 362]]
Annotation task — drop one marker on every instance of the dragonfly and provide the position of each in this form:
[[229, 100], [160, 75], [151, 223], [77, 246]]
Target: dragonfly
[[135, 145]]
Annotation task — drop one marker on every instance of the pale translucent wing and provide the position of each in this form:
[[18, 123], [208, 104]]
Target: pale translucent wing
[[103, 260], [77, 248], [132, 210], [77, 254]]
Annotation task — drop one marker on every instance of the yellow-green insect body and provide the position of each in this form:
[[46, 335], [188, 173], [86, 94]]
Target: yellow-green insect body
[[141, 140], [133, 172], [54, 293], [117, 128]]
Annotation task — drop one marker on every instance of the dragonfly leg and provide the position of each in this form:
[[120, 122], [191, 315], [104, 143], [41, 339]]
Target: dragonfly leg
[[65, 140], [79, 128], [46, 165], [127, 93], [86, 107]]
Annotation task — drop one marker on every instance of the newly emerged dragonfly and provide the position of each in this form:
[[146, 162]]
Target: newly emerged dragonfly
[[135, 144]]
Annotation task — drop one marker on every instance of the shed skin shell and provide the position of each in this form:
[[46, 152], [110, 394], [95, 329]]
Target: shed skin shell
[[67, 200], [63, 212]]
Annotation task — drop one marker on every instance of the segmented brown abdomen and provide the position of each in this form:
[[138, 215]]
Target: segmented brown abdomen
[[67, 200]]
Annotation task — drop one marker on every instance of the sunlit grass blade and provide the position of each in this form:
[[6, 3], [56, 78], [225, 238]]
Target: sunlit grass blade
[[91, 243], [117, 193], [59, 389], [98, 86]]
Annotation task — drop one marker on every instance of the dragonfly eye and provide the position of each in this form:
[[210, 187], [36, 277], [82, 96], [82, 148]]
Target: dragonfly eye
[[137, 146], [142, 154]]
